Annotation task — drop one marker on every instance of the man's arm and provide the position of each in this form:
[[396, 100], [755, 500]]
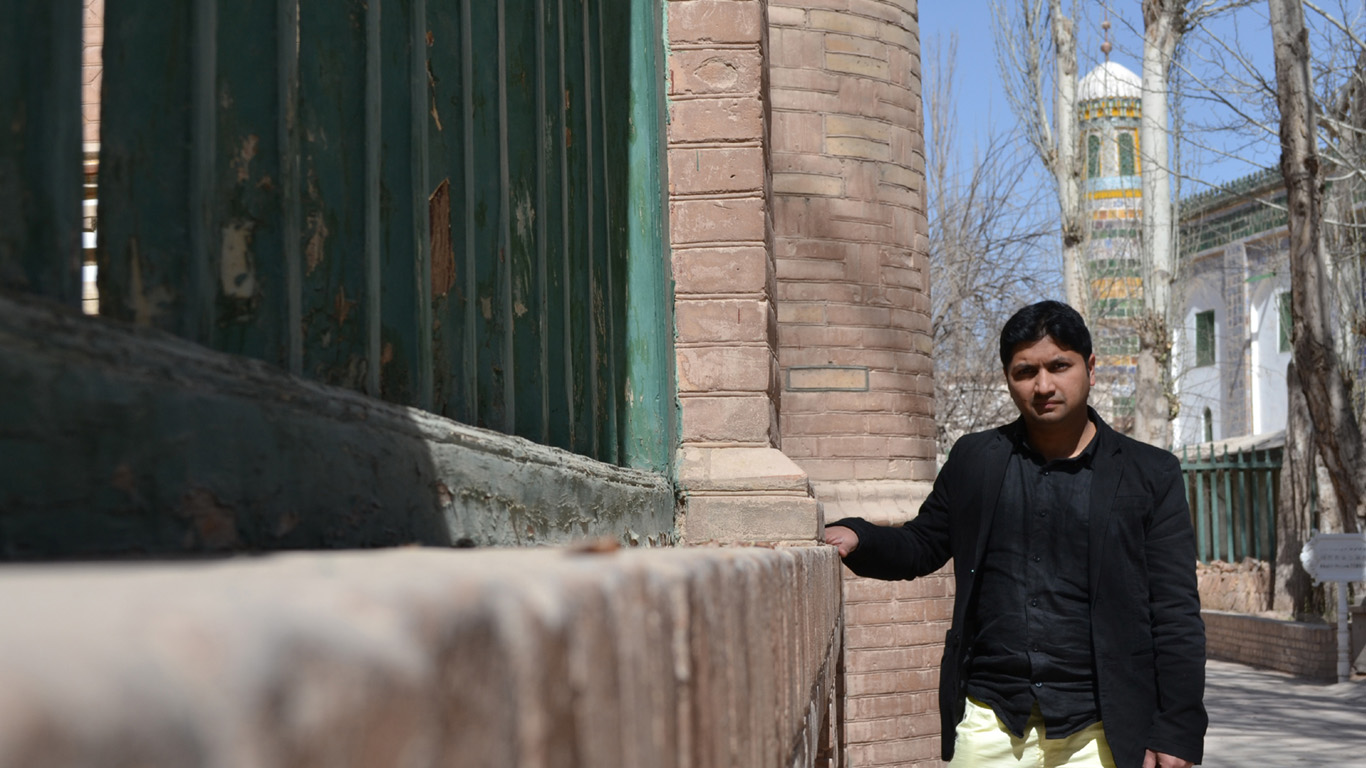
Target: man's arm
[[1178, 728]]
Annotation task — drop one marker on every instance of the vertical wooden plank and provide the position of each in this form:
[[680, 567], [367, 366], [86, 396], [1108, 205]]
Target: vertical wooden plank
[[197, 322], [40, 148], [1228, 496], [287, 131], [596, 298], [1205, 540], [613, 89], [522, 99], [373, 105], [249, 297], [144, 181], [506, 372], [1243, 508], [418, 108], [1269, 521], [332, 117], [649, 417], [551, 222], [446, 201], [578, 228], [485, 215], [401, 199]]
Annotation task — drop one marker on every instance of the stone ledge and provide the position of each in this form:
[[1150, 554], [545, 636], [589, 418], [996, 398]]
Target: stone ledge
[[272, 461], [419, 657]]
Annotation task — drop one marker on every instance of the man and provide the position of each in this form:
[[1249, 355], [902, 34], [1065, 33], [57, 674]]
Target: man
[[1076, 635]]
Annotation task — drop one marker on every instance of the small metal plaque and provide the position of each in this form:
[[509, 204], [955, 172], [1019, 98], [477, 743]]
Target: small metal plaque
[[1335, 557]]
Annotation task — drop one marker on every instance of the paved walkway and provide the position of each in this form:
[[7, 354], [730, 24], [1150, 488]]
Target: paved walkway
[[1263, 719]]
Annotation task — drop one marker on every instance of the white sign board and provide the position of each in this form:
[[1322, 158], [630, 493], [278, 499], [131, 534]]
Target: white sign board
[[1335, 556]]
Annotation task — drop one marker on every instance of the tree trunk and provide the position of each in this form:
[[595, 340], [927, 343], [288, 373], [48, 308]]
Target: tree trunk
[[1163, 22], [1337, 434], [1067, 159], [1293, 591]]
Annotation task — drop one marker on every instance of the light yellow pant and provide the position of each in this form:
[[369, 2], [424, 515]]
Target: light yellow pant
[[983, 741]]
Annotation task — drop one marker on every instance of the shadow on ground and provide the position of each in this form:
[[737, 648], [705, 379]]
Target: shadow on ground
[[1272, 720]]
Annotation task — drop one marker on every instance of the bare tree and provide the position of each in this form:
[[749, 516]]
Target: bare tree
[[1164, 22], [1293, 591], [987, 257], [1029, 40], [1325, 384]]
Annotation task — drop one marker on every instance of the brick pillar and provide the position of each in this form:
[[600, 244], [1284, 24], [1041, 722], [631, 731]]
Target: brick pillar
[[850, 246], [850, 240], [92, 67], [737, 484]]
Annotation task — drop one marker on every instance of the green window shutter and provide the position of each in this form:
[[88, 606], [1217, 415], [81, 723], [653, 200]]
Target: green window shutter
[[1284, 320], [1126, 154], [1092, 157], [1204, 338]]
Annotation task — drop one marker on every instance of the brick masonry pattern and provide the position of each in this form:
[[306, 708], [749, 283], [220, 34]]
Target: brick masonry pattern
[[849, 235], [719, 223], [894, 639]]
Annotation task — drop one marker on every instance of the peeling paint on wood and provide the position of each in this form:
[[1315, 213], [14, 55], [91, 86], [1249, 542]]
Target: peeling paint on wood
[[443, 253], [236, 273]]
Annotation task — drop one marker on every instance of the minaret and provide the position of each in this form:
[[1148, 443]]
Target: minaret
[[1109, 109]]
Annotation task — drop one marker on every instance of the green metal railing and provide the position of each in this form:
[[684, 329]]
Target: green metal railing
[[1232, 497], [450, 204]]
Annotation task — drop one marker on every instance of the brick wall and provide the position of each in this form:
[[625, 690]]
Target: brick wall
[[894, 640], [1301, 649], [893, 644], [849, 239]]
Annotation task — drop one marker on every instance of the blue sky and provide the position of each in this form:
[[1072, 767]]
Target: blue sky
[[1207, 156]]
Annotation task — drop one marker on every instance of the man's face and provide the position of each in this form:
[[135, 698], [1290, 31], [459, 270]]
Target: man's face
[[1049, 383]]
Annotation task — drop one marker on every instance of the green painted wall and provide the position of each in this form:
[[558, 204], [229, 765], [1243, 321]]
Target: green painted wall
[[453, 205]]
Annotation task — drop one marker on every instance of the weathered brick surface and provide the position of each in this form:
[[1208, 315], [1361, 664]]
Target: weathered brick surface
[[417, 657], [848, 222], [894, 642], [894, 630], [92, 68]]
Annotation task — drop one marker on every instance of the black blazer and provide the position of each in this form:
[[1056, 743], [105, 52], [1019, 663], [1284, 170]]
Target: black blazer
[[1146, 630]]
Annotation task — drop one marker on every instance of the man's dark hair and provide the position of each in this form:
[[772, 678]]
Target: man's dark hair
[[1046, 318]]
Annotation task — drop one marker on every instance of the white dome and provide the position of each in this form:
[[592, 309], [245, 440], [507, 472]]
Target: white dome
[[1110, 81]]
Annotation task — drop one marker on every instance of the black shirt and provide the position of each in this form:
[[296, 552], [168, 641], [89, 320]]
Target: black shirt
[[1033, 617]]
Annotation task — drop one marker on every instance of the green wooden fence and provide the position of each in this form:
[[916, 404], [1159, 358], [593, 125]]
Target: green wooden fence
[[451, 204], [1233, 498]]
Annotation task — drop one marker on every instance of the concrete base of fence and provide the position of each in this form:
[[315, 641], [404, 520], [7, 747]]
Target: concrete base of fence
[[705, 658], [1299, 648], [123, 441]]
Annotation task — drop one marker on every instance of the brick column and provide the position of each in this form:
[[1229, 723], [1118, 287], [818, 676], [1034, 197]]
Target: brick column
[[850, 239], [850, 246], [737, 484]]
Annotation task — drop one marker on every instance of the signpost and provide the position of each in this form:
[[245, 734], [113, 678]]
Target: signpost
[[1337, 557]]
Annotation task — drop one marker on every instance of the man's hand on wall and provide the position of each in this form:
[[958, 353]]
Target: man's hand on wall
[[842, 538], [1151, 759]]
